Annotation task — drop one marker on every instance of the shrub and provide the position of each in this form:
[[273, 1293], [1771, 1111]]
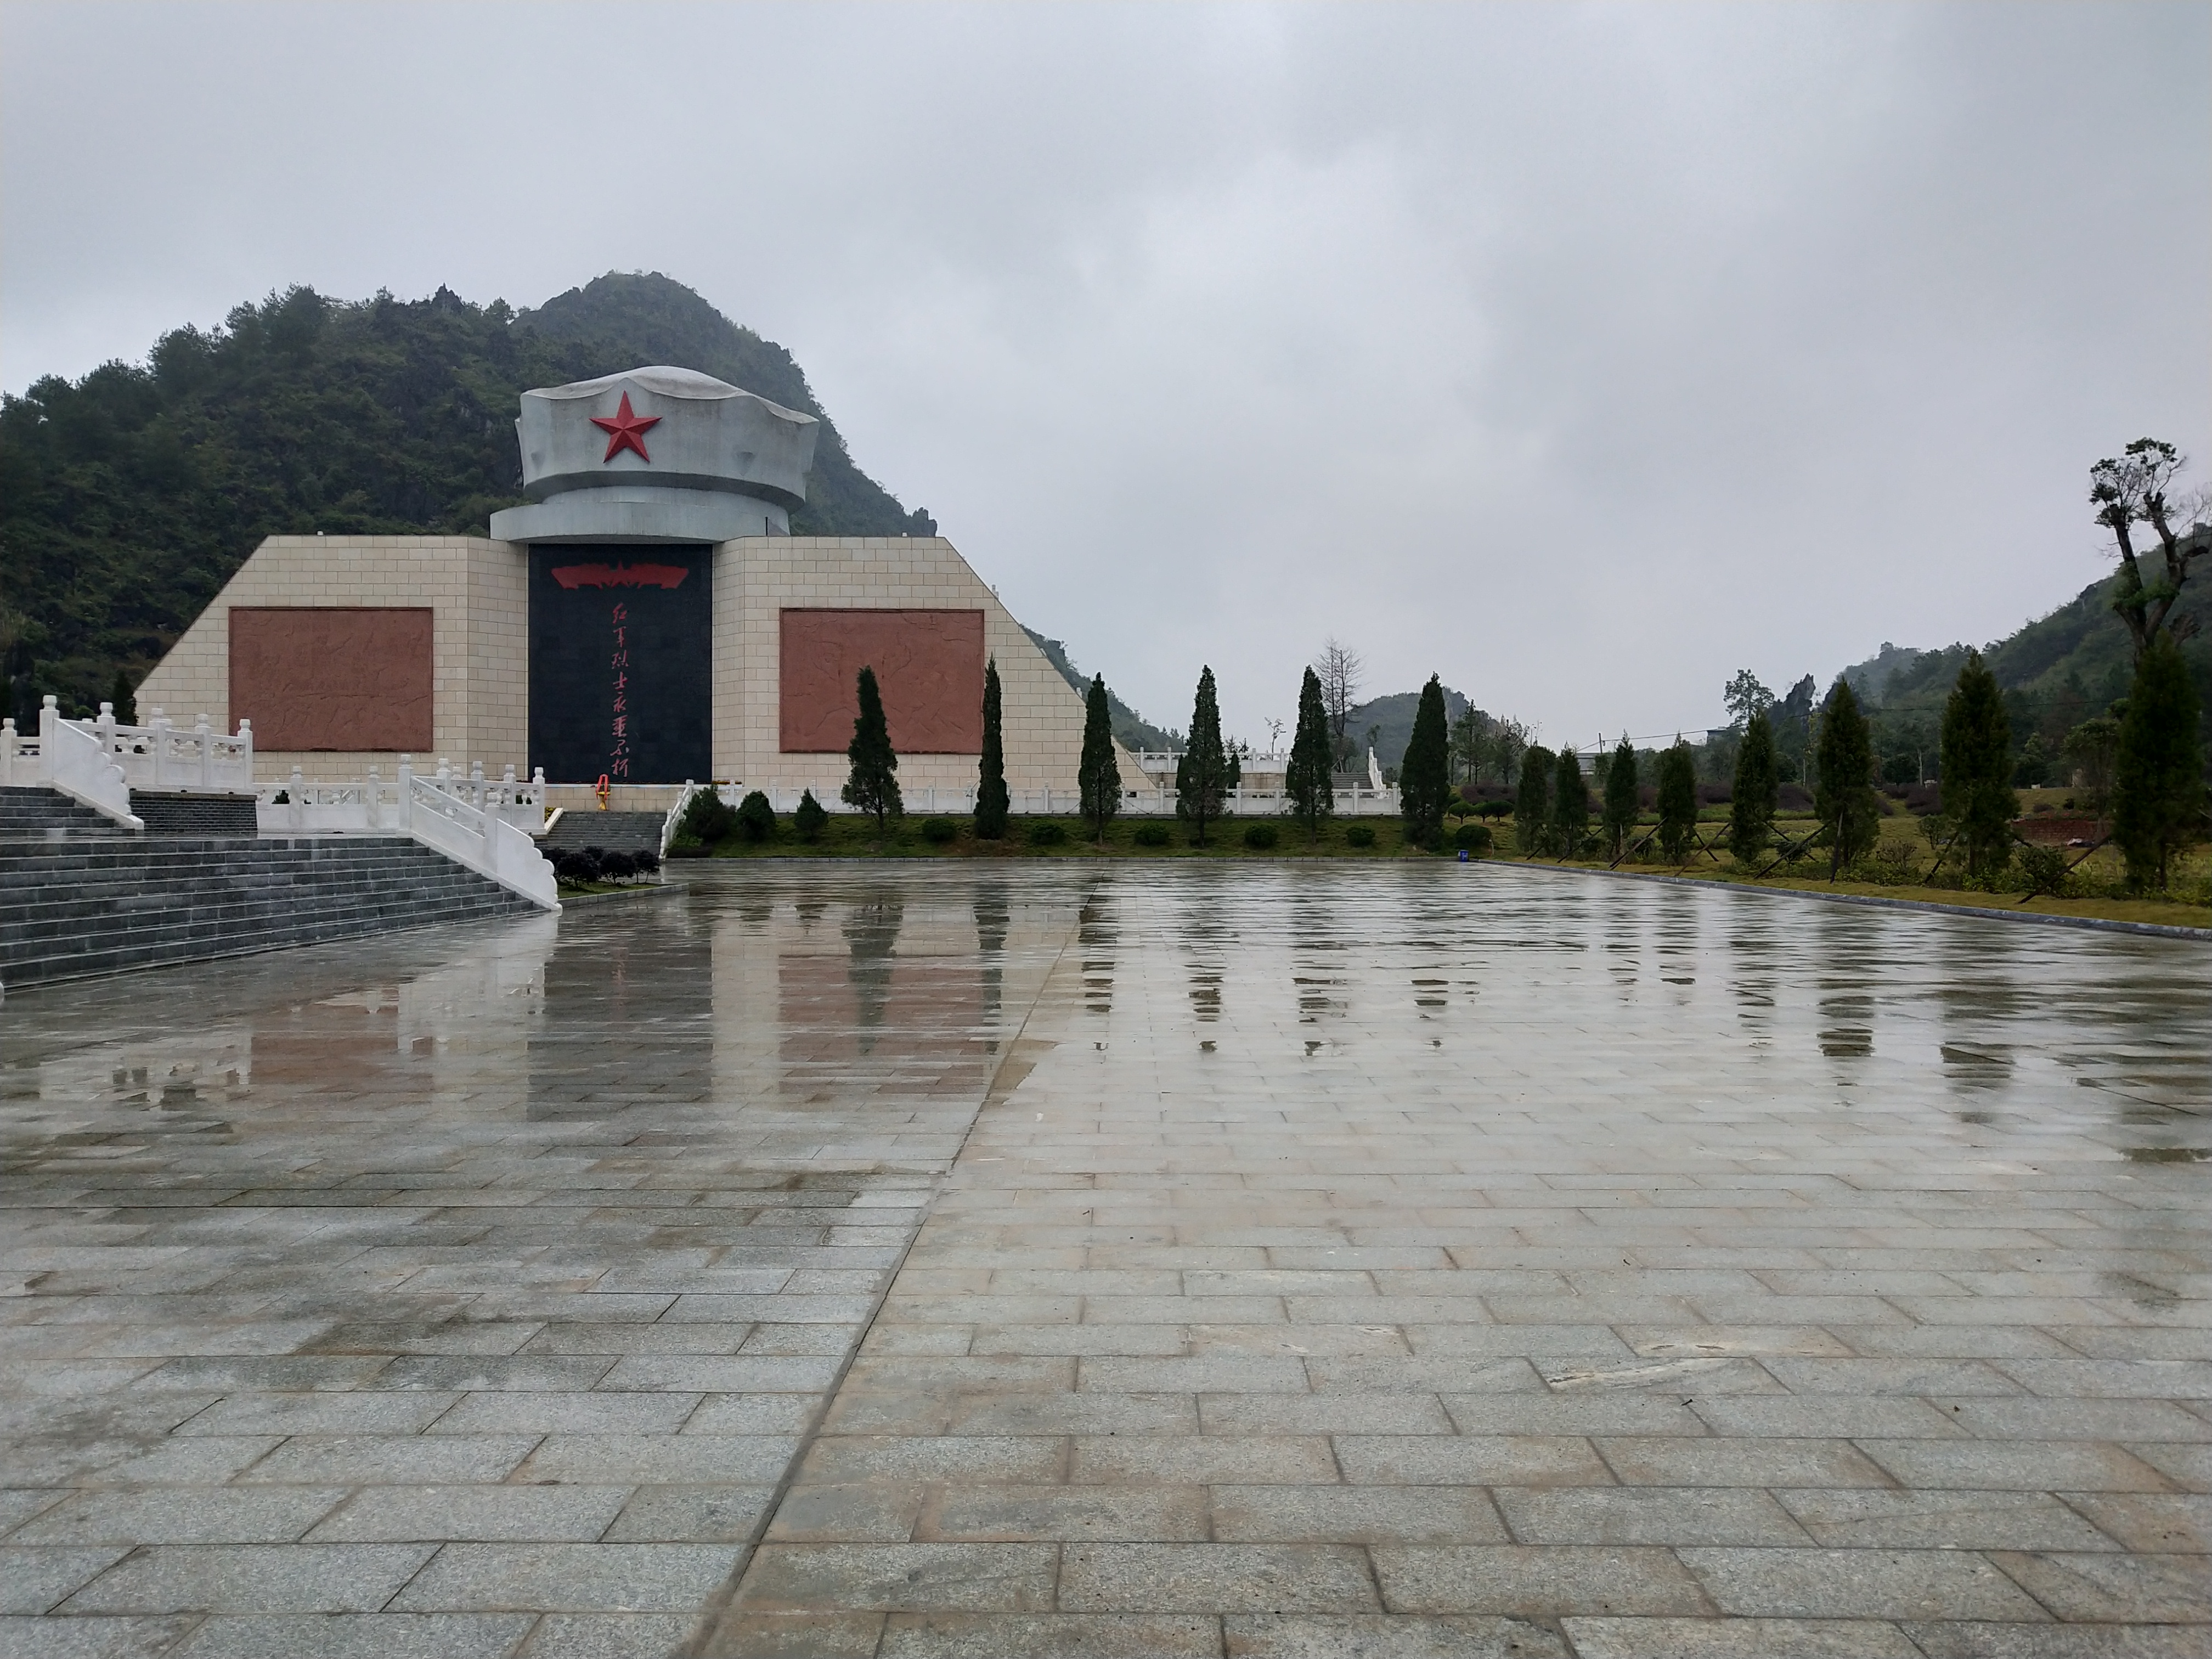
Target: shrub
[[617, 866], [583, 865], [2045, 868], [1496, 809], [1260, 837], [1474, 837], [683, 846], [810, 818], [707, 819], [756, 817], [647, 862], [1359, 835], [940, 832], [1045, 832], [1152, 834]]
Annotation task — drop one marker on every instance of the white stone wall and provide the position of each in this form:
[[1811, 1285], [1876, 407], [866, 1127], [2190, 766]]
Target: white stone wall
[[478, 590]]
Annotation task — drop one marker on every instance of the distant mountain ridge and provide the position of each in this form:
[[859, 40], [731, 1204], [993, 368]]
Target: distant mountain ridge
[[2081, 649]]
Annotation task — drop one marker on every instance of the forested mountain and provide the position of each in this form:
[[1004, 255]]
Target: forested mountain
[[2055, 671], [128, 498]]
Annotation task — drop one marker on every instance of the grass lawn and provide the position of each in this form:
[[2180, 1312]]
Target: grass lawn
[[2103, 867], [850, 836]]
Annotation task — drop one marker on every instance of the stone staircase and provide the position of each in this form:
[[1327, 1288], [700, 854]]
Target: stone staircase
[[80, 898], [47, 814], [610, 832]]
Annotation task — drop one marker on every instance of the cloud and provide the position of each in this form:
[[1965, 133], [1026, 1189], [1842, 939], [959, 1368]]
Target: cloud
[[1581, 354]]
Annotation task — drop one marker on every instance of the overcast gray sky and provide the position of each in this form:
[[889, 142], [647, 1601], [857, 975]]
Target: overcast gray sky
[[1583, 354]]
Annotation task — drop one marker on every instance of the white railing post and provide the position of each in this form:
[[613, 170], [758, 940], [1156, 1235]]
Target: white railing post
[[246, 754], [406, 793], [203, 741], [296, 792]]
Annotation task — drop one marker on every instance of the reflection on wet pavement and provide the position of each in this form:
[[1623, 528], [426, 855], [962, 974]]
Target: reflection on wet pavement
[[1440, 1259]]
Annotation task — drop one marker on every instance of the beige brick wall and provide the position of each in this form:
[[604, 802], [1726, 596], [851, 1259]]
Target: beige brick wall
[[757, 577], [478, 590]]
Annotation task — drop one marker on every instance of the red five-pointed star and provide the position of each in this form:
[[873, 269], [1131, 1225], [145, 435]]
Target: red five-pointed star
[[624, 430]]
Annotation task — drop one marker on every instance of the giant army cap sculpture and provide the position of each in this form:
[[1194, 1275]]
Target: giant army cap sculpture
[[656, 454]]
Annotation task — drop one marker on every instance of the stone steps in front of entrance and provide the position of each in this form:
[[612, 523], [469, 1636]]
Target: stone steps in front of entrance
[[79, 907], [610, 832]]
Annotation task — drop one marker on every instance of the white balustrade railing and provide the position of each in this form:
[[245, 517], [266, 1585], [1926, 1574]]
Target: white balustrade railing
[[23, 761], [80, 765], [683, 797], [480, 839], [158, 756], [489, 825]]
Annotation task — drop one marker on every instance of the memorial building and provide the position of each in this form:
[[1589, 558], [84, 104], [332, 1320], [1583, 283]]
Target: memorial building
[[645, 617]]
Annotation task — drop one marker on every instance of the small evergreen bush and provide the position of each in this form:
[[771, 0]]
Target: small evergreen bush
[[617, 866], [1359, 835], [756, 817], [707, 819], [811, 819], [1474, 837], [940, 832], [1260, 837], [1152, 834], [647, 862], [1045, 832], [2045, 868]]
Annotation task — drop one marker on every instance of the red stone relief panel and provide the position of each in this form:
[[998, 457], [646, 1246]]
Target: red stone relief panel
[[335, 678], [929, 663]]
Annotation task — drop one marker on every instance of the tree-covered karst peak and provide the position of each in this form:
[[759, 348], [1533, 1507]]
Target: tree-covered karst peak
[[130, 496]]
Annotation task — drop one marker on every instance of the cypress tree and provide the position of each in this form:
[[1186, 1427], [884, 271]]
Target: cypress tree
[[1678, 801], [1619, 818], [1099, 777], [1306, 778], [1978, 793], [1532, 805], [1756, 793], [1207, 771], [1569, 805], [125, 700], [991, 799], [1844, 798], [2158, 782], [1424, 774], [874, 785]]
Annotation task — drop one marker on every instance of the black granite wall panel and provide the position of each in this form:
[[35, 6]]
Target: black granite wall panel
[[621, 663]]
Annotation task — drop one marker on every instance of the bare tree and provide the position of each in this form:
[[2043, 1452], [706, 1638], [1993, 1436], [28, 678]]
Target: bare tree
[[2132, 489], [1507, 744], [1340, 668]]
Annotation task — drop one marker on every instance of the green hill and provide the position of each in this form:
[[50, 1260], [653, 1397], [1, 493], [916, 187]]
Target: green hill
[[129, 497], [2056, 671]]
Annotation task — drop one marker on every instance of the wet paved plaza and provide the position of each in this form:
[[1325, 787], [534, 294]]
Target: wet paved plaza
[[1294, 1261]]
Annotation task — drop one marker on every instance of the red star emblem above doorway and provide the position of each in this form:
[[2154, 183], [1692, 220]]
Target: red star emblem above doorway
[[625, 430]]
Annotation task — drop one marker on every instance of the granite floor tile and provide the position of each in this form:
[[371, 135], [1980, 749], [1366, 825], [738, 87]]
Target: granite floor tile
[[502, 1514], [1951, 1520], [34, 1579], [254, 1578], [1214, 1578], [355, 1636], [591, 1577], [1647, 1515], [1379, 1636], [1857, 1583], [1356, 1515], [1534, 1583]]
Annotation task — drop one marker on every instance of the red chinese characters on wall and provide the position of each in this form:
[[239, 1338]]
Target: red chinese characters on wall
[[333, 679], [618, 666], [929, 664]]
